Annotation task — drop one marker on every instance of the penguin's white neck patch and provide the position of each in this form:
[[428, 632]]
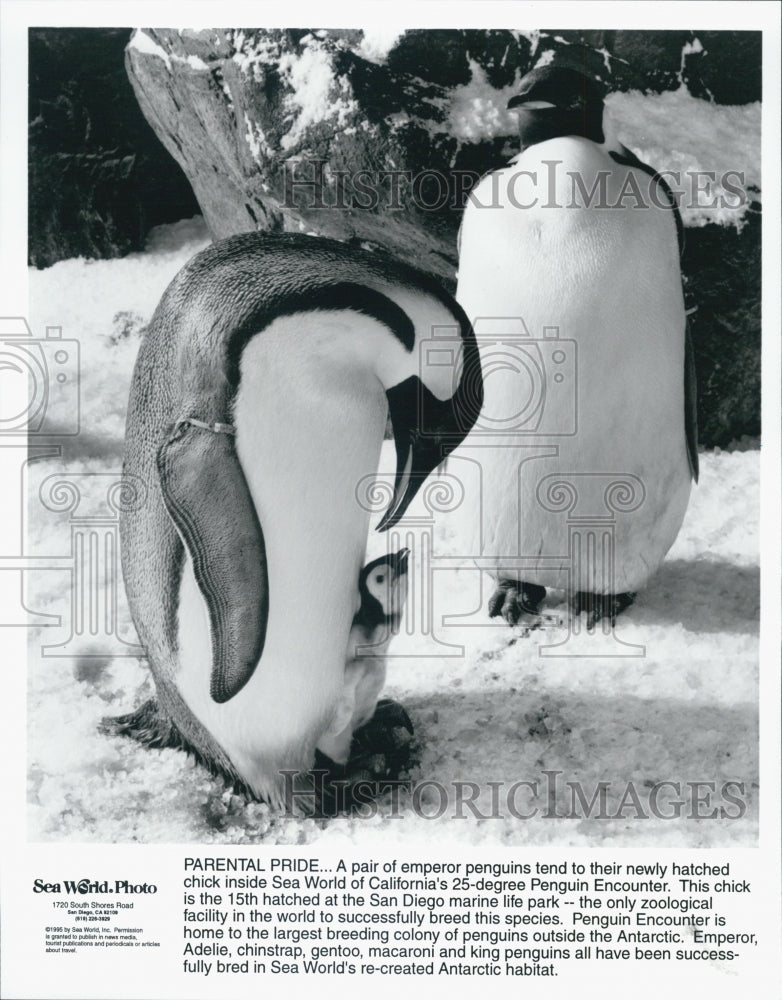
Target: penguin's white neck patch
[[436, 356]]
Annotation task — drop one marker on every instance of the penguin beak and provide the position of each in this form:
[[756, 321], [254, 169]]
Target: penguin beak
[[415, 460], [537, 120], [427, 429], [523, 103], [399, 561]]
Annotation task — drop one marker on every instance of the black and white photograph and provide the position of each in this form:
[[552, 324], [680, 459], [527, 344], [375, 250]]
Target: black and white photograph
[[382, 438]]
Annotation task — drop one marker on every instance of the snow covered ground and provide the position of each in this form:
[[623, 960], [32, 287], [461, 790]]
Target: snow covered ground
[[497, 712]]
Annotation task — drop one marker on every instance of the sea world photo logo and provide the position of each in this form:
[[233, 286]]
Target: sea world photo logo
[[88, 887]]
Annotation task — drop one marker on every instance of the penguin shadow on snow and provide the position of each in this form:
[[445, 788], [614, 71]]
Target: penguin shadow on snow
[[702, 595], [514, 735]]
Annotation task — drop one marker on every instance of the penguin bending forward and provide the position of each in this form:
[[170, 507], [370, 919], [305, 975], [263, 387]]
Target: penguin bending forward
[[577, 239], [258, 403]]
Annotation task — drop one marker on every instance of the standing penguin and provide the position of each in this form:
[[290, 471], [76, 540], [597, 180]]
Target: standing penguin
[[578, 239], [258, 403]]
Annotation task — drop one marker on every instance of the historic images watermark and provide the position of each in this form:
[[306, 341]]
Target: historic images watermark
[[40, 382], [313, 184], [547, 796]]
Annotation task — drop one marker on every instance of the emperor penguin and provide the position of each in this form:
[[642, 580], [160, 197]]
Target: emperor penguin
[[258, 405], [569, 270]]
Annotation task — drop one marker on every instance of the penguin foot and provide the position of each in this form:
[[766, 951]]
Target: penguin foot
[[381, 750], [513, 599], [148, 725], [153, 728], [391, 714], [381, 747], [599, 606]]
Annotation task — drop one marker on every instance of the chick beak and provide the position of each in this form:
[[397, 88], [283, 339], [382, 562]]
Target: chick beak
[[399, 562]]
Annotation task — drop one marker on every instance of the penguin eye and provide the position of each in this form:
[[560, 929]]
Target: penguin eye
[[379, 578]]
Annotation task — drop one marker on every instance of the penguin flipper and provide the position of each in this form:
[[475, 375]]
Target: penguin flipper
[[206, 494], [690, 404], [629, 159]]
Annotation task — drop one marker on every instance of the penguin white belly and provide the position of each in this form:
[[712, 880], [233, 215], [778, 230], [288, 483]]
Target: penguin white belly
[[609, 280], [290, 405]]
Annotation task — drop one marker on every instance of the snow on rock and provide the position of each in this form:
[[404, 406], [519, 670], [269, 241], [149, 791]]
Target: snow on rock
[[677, 132], [495, 712], [253, 54], [140, 41], [316, 94], [377, 42], [479, 111]]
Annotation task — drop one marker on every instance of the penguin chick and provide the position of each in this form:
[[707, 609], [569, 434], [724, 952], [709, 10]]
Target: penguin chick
[[382, 587]]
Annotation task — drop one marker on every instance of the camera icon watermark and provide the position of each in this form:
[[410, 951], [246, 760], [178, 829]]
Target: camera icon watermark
[[530, 383], [453, 366], [40, 381]]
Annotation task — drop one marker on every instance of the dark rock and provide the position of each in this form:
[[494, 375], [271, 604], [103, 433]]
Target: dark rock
[[649, 61], [98, 177], [713, 74], [501, 54], [723, 267], [584, 50], [413, 56], [722, 66]]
